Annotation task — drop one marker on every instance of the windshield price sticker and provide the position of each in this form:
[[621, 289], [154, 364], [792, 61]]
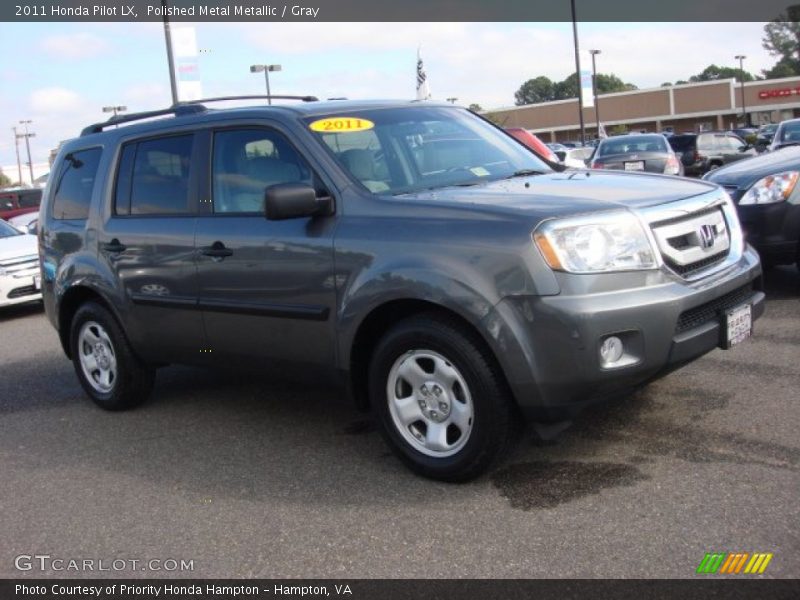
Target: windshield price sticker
[[341, 125]]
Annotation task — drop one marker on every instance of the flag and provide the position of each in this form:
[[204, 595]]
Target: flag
[[423, 92]]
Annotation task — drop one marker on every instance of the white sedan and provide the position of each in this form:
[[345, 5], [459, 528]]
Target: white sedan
[[26, 223], [20, 278]]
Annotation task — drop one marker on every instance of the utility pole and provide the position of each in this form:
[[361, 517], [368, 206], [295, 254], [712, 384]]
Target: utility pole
[[173, 86], [740, 58], [19, 164], [578, 70], [594, 53], [27, 135]]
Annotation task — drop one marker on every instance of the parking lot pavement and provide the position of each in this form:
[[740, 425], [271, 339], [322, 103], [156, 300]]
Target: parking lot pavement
[[249, 477]]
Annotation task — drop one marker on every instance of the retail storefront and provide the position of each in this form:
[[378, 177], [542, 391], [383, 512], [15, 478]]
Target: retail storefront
[[689, 107]]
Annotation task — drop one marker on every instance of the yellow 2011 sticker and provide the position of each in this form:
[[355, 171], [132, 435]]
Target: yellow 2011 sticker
[[341, 125]]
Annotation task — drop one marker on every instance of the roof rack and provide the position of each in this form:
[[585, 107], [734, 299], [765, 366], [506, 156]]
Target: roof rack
[[177, 110], [191, 107]]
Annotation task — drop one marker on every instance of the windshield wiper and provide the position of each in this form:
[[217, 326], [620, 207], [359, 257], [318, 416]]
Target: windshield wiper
[[525, 173]]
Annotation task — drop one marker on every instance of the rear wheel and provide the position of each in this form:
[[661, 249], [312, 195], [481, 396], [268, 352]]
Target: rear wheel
[[110, 373], [442, 404]]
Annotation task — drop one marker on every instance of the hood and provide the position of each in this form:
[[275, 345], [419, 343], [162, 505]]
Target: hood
[[18, 245], [568, 192], [744, 173]]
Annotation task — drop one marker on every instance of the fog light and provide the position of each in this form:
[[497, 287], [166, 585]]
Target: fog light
[[611, 350]]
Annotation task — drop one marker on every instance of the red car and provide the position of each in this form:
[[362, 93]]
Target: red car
[[532, 142], [19, 202]]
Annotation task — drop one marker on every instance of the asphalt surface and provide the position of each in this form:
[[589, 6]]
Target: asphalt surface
[[251, 477]]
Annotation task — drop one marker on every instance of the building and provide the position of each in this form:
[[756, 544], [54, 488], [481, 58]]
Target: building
[[688, 107]]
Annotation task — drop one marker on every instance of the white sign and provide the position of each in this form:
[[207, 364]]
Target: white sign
[[587, 96]]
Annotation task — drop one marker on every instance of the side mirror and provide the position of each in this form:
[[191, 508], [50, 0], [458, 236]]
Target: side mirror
[[294, 201], [561, 154], [33, 227]]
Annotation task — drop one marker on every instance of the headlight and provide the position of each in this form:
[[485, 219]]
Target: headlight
[[772, 188], [613, 241]]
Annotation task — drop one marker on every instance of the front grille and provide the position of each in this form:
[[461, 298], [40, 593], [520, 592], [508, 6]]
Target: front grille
[[20, 265], [692, 242], [710, 311], [19, 292]]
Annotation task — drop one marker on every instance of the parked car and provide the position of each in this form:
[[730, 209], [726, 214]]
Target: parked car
[[767, 199], [26, 222], [764, 136], [532, 141], [648, 152], [19, 201], [573, 158], [700, 153], [455, 289], [20, 280], [786, 134]]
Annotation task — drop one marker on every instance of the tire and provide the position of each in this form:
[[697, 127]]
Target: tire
[[109, 371], [457, 418]]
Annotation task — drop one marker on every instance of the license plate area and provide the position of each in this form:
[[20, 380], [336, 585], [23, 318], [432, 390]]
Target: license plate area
[[738, 324], [636, 165]]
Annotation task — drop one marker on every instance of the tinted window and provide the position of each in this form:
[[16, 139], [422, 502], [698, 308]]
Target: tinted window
[[30, 199], [246, 162], [735, 144], [73, 192], [122, 191], [681, 143], [632, 144], [789, 132], [160, 180], [7, 230], [706, 142]]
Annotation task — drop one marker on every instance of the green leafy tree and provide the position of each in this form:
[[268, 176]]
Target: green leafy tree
[[534, 91], [782, 39], [474, 107], [713, 73], [5, 180]]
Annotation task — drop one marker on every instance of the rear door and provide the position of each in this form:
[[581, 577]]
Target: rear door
[[147, 241], [266, 288]]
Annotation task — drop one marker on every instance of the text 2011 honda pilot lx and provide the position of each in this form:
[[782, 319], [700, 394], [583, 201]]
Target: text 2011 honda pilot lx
[[453, 281]]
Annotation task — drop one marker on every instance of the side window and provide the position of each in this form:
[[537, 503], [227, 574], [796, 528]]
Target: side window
[[73, 191], [246, 161], [706, 143], [363, 155], [735, 144], [30, 200], [159, 178]]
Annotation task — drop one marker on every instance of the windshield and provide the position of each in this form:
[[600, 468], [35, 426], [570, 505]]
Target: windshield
[[769, 128], [7, 230], [409, 149], [790, 132], [633, 144]]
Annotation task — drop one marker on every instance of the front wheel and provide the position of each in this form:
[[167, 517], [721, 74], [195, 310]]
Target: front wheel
[[442, 404], [110, 373]]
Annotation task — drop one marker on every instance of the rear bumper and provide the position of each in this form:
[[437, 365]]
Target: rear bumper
[[552, 344]]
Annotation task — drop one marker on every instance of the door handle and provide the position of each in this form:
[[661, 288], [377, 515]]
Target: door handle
[[114, 246], [216, 250]]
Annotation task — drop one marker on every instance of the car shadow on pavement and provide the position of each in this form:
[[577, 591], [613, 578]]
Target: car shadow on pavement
[[17, 311]]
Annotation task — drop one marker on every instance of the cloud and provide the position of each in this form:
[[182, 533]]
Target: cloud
[[55, 100], [74, 46]]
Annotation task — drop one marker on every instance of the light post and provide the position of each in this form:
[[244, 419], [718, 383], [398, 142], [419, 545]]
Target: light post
[[452, 100], [266, 69], [16, 147], [114, 109], [594, 53], [740, 58], [578, 69], [173, 85], [27, 135]]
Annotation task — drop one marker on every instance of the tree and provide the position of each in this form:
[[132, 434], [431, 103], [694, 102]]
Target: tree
[[5, 181], [713, 73], [533, 91], [474, 107], [782, 39]]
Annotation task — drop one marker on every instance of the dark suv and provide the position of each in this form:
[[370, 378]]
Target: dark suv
[[450, 279], [704, 152]]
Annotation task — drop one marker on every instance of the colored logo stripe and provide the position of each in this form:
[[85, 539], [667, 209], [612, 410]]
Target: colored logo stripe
[[759, 562], [732, 562]]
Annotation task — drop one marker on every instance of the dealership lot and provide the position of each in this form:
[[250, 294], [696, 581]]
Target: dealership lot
[[250, 477]]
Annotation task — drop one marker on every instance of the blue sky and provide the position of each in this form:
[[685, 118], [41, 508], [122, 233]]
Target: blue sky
[[61, 74]]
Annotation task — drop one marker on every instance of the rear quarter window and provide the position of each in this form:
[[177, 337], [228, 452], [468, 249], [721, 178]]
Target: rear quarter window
[[75, 184]]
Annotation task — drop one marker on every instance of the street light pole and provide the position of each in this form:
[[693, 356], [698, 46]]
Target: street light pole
[[266, 69], [114, 109], [740, 58], [173, 85], [594, 53], [16, 147], [452, 100], [28, 137], [578, 70]]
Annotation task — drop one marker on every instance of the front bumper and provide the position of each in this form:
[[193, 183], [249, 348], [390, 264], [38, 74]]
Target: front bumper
[[19, 288], [549, 346], [774, 230]]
